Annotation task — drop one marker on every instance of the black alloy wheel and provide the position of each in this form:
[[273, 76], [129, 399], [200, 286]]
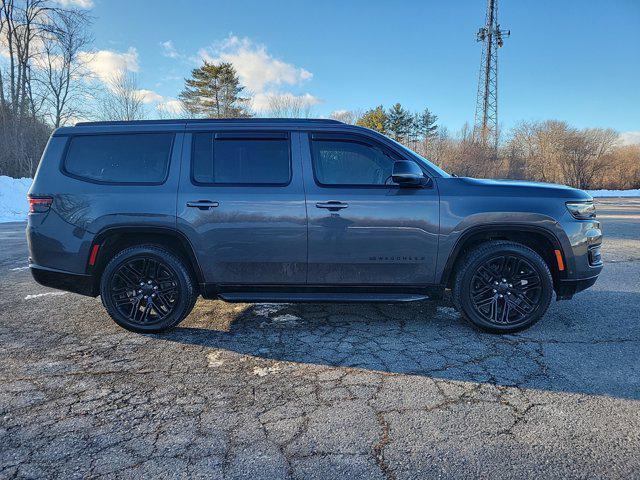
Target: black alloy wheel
[[146, 288], [503, 287]]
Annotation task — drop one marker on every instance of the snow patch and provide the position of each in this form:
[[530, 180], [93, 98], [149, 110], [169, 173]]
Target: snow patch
[[286, 319], [18, 269], [266, 309], [214, 359], [13, 198], [614, 193], [53, 294], [264, 371]]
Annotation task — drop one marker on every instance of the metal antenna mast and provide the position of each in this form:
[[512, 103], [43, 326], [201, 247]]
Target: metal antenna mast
[[485, 128]]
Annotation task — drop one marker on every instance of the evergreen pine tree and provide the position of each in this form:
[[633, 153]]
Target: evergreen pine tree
[[426, 125], [400, 122], [214, 91]]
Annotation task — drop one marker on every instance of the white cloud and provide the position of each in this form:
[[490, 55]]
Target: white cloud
[[258, 69], [168, 49], [149, 96], [264, 102], [629, 138], [76, 3], [105, 64], [171, 106]]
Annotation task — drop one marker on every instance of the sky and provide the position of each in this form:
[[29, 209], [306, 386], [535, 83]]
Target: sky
[[572, 60]]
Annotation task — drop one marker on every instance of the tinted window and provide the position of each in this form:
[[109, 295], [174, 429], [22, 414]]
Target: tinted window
[[131, 158], [343, 162], [240, 160]]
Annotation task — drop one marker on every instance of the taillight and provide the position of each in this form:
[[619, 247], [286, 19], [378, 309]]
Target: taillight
[[39, 204]]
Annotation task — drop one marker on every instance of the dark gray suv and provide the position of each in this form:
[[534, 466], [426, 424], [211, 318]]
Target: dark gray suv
[[151, 214]]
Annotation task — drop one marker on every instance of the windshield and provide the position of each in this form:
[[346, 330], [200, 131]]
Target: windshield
[[420, 158]]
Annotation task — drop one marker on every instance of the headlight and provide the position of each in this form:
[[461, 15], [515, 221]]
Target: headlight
[[582, 210]]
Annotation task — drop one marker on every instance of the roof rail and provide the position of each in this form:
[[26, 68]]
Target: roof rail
[[213, 120]]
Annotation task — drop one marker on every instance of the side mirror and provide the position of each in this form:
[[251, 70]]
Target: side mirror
[[407, 173]]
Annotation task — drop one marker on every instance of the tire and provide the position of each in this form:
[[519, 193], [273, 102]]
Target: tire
[[494, 305], [147, 289]]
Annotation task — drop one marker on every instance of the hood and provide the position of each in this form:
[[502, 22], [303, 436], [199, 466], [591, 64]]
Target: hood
[[526, 188]]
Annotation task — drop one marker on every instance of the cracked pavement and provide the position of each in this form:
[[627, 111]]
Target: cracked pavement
[[323, 391]]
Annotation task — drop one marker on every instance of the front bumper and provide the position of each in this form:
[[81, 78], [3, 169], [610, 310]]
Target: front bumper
[[566, 289], [583, 255]]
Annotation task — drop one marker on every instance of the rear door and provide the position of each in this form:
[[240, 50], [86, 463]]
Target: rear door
[[241, 204], [363, 228]]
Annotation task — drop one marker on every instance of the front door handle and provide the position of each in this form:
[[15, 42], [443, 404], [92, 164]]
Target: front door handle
[[332, 205], [203, 204]]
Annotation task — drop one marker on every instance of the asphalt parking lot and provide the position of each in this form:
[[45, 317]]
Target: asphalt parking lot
[[323, 391]]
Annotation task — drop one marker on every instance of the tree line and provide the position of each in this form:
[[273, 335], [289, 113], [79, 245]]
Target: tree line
[[46, 82], [546, 151]]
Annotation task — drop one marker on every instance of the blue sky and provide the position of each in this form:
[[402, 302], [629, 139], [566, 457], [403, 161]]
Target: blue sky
[[574, 60]]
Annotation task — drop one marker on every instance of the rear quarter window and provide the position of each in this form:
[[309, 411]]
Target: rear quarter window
[[119, 158]]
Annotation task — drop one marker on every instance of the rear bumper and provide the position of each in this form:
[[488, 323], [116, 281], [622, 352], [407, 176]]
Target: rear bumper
[[61, 280], [568, 288]]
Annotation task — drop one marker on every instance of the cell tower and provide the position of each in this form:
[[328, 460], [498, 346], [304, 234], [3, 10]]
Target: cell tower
[[485, 127]]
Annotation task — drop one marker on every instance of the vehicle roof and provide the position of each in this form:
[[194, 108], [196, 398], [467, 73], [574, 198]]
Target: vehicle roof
[[240, 121], [196, 124]]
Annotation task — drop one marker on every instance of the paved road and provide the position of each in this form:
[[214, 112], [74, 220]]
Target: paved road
[[317, 391]]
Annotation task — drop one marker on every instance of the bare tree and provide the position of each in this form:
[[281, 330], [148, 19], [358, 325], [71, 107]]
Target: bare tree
[[63, 72], [173, 109], [474, 159], [122, 99], [624, 168], [346, 116], [22, 131], [552, 151], [3, 26], [287, 105], [23, 27], [436, 148], [585, 155]]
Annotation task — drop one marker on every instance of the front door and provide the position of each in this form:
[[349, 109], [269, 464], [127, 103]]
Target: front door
[[241, 204], [363, 228]]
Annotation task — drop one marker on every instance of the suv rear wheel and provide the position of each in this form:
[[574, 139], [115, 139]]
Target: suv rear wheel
[[147, 289], [503, 287]]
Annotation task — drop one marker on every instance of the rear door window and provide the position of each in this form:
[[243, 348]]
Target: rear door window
[[120, 158], [241, 159]]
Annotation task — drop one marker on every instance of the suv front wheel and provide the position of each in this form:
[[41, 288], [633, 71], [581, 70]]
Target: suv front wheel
[[503, 287], [147, 289]]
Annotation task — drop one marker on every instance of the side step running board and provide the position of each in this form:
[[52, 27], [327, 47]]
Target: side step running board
[[276, 297]]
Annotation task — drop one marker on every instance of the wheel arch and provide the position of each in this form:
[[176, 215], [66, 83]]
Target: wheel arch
[[111, 240], [541, 240]]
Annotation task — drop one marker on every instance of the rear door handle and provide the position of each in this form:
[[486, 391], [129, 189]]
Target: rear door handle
[[332, 205], [203, 204]]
